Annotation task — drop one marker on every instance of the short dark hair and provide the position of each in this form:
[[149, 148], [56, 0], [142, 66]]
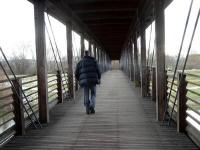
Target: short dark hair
[[86, 53]]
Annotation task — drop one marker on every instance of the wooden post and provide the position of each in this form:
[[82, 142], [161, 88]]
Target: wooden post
[[18, 108], [136, 65], [99, 57], [70, 60], [90, 47], [143, 62], [59, 87], [148, 80], [101, 54], [153, 92], [82, 45], [126, 60], [181, 105], [160, 58], [95, 51], [131, 61], [39, 7], [97, 54]]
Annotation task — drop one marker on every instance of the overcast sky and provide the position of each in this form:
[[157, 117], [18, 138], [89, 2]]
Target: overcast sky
[[175, 18], [17, 27]]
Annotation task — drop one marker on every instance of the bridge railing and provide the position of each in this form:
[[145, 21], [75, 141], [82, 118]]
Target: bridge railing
[[193, 106], [7, 116], [13, 119], [173, 93], [187, 106]]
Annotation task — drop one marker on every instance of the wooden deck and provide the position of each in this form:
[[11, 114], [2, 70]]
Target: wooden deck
[[123, 120]]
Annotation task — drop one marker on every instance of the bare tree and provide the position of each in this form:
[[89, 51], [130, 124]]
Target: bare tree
[[19, 61]]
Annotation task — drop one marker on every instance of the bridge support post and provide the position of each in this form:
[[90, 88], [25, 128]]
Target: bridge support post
[[160, 59], [127, 61], [95, 51], [181, 105], [59, 87], [97, 54], [70, 60], [148, 80], [153, 91], [39, 7], [136, 64], [18, 108], [90, 47], [143, 63], [131, 61], [82, 45]]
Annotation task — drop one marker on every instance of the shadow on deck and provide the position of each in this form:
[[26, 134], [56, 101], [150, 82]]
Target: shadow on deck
[[123, 120]]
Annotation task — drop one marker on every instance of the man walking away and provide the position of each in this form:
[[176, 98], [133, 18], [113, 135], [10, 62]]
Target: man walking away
[[88, 74]]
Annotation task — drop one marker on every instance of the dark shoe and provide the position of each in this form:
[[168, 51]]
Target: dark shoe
[[92, 110], [88, 111]]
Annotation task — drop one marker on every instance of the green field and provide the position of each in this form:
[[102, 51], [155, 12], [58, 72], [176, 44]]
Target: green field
[[193, 90]]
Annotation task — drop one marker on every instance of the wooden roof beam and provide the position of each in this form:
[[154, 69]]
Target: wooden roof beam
[[107, 15], [103, 6]]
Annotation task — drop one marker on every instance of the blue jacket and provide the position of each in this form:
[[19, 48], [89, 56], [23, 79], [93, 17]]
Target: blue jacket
[[87, 71]]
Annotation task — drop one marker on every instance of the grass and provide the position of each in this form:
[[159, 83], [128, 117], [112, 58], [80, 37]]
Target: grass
[[191, 87]]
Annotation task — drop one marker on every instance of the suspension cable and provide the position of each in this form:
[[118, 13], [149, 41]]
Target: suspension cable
[[62, 68], [179, 54], [183, 70], [54, 53], [21, 90], [76, 49]]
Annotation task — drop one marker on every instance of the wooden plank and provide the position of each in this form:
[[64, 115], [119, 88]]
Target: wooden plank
[[39, 7], [160, 59], [70, 60]]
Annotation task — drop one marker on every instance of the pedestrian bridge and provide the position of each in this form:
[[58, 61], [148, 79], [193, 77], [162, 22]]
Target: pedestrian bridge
[[123, 120], [133, 101]]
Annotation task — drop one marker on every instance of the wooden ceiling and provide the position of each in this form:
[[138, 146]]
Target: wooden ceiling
[[108, 22]]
